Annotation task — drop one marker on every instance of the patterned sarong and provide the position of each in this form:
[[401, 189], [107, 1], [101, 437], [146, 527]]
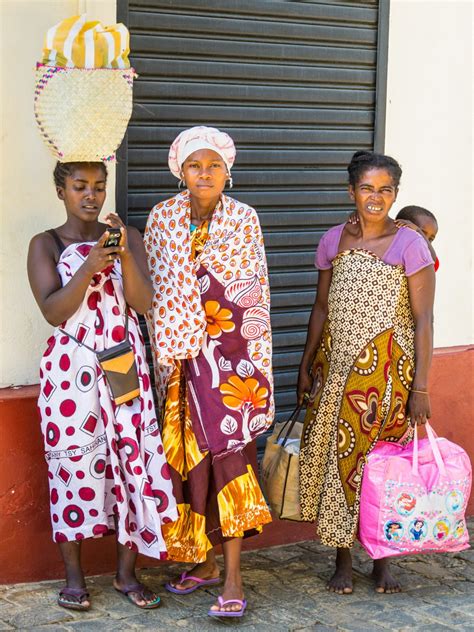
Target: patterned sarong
[[215, 403], [105, 462], [364, 367], [212, 307]]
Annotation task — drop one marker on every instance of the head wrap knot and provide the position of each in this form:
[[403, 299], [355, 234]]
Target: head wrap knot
[[196, 138]]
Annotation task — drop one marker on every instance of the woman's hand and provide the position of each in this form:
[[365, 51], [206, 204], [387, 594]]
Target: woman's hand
[[137, 286], [99, 257], [305, 383], [353, 218], [405, 223], [114, 221], [418, 408]]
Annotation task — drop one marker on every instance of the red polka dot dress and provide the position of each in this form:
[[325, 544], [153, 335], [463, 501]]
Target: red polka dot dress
[[103, 460]]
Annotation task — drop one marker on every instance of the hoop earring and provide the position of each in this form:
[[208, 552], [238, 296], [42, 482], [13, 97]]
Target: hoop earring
[[230, 181], [181, 183]]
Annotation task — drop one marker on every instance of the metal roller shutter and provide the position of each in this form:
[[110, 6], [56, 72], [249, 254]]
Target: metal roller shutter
[[294, 83]]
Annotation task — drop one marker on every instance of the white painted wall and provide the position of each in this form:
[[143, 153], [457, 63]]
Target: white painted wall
[[429, 130], [28, 199]]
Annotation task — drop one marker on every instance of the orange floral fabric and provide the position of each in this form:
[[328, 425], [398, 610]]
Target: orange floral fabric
[[211, 308], [233, 253], [216, 499]]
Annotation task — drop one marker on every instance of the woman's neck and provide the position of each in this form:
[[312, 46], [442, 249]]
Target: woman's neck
[[76, 230], [202, 210], [372, 230]]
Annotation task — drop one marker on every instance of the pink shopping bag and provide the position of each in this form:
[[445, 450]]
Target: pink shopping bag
[[414, 498]]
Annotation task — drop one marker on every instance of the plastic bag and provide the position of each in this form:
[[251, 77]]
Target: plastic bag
[[414, 498]]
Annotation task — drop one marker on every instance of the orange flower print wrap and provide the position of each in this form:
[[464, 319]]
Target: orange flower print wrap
[[211, 308]]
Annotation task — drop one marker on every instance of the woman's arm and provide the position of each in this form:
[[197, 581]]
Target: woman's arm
[[421, 286], [315, 329], [58, 303], [137, 286]]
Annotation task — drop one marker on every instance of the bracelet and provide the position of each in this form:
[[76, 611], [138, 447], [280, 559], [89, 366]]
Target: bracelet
[[414, 390]]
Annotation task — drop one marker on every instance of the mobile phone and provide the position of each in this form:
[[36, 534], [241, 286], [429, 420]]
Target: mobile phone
[[114, 237]]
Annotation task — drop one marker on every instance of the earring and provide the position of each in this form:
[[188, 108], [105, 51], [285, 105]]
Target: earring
[[230, 181], [181, 183]]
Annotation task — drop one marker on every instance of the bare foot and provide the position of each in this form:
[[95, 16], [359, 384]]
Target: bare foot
[[385, 582], [341, 581], [206, 570], [232, 590]]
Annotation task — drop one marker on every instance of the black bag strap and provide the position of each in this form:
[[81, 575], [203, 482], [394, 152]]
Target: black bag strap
[[63, 331], [293, 418], [57, 240]]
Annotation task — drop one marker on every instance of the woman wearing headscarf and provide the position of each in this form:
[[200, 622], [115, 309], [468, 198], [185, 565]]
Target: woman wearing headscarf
[[211, 343]]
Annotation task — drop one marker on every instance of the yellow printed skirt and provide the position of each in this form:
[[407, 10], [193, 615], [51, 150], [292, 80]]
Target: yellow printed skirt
[[363, 368], [217, 500]]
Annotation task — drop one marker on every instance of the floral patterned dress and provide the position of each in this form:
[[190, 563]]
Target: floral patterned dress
[[217, 397], [363, 370]]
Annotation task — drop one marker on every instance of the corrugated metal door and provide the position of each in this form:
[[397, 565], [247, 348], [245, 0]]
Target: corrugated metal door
[[294, 83]]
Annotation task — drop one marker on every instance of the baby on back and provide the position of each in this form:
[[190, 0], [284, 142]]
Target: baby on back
[[424, 222]]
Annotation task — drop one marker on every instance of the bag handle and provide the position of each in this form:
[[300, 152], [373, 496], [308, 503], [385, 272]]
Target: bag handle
[[291, 420], [63, 331], [434, 448]]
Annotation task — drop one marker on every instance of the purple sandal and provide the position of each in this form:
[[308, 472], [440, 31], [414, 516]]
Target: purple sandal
[[140, 590], [228, 613], [199, 584], [80, 594]]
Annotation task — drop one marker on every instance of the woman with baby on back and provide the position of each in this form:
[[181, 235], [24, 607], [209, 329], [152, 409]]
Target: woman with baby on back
[[106, 465], [365, 368]]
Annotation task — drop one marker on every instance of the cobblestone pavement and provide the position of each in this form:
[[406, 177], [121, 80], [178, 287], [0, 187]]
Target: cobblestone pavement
[[285, 587]]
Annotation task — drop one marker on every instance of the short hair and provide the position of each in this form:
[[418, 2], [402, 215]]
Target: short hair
[[363, 161], [411, 212], [64, 169]]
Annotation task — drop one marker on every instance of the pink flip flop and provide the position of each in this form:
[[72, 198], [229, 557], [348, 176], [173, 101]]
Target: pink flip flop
[[200, 583], [228, 613]]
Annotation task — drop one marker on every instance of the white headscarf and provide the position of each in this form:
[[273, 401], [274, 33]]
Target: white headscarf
[[196, 138]]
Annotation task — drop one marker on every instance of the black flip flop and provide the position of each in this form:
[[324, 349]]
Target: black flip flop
[[80, 594], [140, 590]]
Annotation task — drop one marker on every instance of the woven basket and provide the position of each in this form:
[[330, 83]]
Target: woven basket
[[83, 113]]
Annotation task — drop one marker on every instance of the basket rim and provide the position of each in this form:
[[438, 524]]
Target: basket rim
[[41, 65]]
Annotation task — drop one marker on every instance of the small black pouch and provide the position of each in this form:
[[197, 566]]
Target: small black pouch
[[120, 370]]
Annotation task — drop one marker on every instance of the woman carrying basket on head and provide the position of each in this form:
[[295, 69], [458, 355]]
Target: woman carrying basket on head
[[211, 343], [106, 465]]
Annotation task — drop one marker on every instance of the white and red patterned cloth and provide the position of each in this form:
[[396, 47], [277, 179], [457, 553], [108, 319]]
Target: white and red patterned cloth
[[103, 460], [213, 311], [196, 138]]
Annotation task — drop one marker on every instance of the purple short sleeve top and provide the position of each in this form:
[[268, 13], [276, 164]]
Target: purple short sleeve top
[[408, 249]]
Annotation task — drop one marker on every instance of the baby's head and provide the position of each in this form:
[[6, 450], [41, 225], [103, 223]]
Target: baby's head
[[421, 217]]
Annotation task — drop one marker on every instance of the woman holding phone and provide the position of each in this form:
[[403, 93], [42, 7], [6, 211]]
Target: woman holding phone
[[106, 465]]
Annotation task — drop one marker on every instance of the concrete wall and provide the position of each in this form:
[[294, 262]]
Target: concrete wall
[[27, 552], [28, 199], [429, 130]]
